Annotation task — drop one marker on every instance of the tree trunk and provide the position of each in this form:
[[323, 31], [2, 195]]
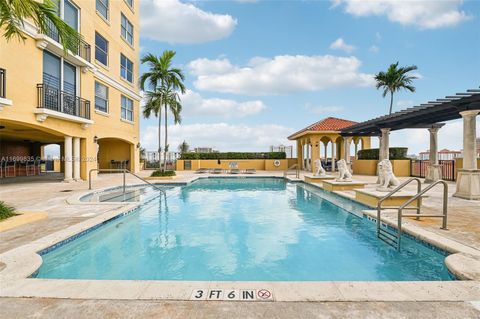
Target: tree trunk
[[391, 102], [166, 142], [159, 140]]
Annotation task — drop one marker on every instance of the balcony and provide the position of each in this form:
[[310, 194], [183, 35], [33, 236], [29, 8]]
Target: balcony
[[63, 105], [80, 52]]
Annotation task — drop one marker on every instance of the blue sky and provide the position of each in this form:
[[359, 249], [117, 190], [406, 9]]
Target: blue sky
[[259, 70]]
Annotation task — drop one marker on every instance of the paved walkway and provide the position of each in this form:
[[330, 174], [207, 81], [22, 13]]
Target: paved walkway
[[106, 309]]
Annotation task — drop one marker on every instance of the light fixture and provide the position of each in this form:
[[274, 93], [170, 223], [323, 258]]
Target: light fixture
[[138, 145], [95, 139]]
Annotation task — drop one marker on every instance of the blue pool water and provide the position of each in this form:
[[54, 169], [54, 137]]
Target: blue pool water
[[241, 229]]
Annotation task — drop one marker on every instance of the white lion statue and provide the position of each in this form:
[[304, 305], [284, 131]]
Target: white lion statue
[[344, 174], [385, 176], [319, 170]]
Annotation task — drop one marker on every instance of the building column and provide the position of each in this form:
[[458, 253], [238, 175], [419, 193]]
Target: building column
[[468, 177], [307, 158], [299, 154], [346, 152], [76, 158], [326, 151], [384, 151], [333, 156], [67, 158], [434, 171], [356, 148]]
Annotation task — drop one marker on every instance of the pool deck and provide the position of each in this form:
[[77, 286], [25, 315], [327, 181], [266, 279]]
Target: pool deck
[[67, 216]]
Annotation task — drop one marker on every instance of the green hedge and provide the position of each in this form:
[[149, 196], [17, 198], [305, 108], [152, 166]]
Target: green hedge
[[159, 173], [396, 153], [233, 156]]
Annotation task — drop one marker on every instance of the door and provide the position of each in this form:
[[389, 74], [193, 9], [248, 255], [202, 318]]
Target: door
[[51, 81]]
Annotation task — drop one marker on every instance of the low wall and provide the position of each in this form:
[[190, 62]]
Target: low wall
[[369, 167], [261, 165], [459, 164]]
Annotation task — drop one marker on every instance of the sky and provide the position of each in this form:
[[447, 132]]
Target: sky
[[257, 71]]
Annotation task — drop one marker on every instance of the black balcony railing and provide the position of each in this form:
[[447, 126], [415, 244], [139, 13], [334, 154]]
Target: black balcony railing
[[52, 98], [3, 83], [80, 48]]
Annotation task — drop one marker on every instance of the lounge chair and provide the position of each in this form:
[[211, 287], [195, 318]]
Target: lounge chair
[[250, 171], [235, 171], [217, 171], [202, 170]]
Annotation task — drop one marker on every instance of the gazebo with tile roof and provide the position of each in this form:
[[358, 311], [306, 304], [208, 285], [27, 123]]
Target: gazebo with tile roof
[[324, 132]]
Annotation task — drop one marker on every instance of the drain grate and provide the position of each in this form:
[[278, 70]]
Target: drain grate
[[66, 190]]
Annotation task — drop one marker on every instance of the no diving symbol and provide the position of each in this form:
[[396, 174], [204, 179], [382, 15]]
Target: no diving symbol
[[264, 294]]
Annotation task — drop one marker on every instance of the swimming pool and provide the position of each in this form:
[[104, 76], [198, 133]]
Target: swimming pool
[[241, 229]]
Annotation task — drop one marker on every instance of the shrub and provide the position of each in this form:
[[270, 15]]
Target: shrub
[[395, 153], [233, 156], [6, 211], [159, 173]]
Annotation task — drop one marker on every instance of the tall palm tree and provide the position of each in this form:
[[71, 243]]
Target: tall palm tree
[[44, 14], [153, 105], [394, 79], [164, 81], [183, 147]]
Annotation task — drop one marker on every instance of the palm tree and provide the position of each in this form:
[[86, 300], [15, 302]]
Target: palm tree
[[171, 101], [164, 81], [395, 79], [153, 105], [44, 14], [184, 147]]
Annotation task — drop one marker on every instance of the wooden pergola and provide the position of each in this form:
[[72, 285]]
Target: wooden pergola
[[430, 115]]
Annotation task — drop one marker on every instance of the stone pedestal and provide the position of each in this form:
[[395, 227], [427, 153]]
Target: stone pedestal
[[317, 179], [434, 173], [371, 197], [468, 184], [333, 185]]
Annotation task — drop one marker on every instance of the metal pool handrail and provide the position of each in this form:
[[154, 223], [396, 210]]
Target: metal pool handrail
[[384, 235], [444, 208], [124, 171], [297, 171], [395, 239]]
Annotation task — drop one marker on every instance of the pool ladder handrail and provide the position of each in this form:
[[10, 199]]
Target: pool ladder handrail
[[124, 171], [297, 171], [395, 239]]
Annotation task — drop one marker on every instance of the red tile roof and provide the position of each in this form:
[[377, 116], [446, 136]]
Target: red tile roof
[[327, 124]]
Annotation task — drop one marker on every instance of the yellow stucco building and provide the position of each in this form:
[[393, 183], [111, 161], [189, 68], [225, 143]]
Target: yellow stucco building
[[86, 101], [322, 140]]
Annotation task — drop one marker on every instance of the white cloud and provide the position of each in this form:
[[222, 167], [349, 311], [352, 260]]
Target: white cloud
[[425, 14], [340, 44], [323, 109], [205, 66], [176, 22], [279, 75], [374, 49], [222, 136], [193, 103]]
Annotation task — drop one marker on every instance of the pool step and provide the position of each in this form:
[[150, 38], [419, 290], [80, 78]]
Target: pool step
[[388, 237]]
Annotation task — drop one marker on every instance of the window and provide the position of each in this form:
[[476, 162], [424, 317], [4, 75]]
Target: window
[[101, 97], [127, 30], [130, 3], [70, 14], [126, 68], [102, 8], [127, 109], [101, 49]]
